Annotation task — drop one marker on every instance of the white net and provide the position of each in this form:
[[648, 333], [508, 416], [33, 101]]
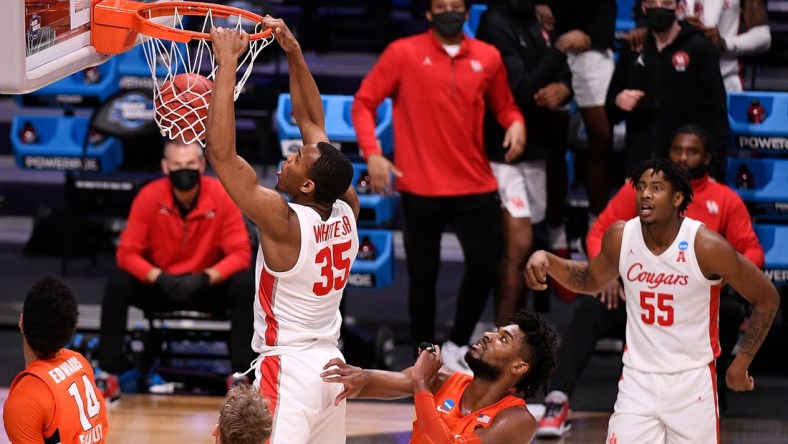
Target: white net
[[181, 95]]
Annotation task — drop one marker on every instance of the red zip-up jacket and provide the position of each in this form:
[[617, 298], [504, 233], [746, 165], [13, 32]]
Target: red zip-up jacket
[[713, 203], [213, 234], [438, 113]]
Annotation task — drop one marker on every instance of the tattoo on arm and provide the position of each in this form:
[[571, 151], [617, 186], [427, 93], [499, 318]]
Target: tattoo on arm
[[757, 329], [578, 276]]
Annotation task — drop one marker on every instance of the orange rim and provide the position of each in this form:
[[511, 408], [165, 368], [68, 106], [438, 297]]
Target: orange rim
[[144, 12]]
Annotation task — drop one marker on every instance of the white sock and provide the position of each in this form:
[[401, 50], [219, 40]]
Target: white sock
[[556, 397], [557, 237]]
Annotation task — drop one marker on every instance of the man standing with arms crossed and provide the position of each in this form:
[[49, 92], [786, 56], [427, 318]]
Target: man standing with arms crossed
[[306, 247], [672, 268]]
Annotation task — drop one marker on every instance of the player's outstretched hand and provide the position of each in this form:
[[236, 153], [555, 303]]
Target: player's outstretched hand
[[228, 45], [535, 272], [427, 366], [354, 378], [738, 378], [282, 33]]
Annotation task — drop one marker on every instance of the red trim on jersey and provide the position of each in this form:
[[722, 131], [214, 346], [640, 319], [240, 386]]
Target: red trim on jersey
[[714, 324], [266, 295], [270, 372], [713, 372]]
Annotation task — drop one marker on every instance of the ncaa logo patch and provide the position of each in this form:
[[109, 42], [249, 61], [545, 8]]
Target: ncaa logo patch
[[446, 407], [683, 245], [681, 61]]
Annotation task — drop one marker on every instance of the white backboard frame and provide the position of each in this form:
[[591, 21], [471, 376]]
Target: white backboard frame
[[69, 57]]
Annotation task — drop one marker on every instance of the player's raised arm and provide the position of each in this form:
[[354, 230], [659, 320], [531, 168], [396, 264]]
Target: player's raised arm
[[306, 103], [305, 98], [718, 259], [580, 277], [266, 207]]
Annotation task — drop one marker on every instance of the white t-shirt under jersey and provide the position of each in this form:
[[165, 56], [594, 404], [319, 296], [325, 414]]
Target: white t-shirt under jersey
[[298, 309], [672, 309]]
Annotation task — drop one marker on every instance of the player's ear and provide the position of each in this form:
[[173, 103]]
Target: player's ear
[[520, 367], [164, 167], [678, 198], [215, 434], [308, 186]]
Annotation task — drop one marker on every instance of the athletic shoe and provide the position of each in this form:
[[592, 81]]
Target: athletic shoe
[[233, 381], [109, 386], [560, 291], [453, 357], [553, 424]]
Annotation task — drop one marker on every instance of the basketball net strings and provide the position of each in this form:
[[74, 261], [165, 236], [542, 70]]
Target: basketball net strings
[[173, 58]]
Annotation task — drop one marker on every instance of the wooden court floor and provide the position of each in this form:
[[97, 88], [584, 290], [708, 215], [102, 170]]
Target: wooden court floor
[[174, 419]]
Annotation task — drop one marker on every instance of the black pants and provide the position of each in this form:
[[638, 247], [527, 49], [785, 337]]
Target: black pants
[[592, 320], [476, 220], [235, 294]]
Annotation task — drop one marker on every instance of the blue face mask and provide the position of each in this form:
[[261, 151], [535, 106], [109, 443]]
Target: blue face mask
[[448, 24]]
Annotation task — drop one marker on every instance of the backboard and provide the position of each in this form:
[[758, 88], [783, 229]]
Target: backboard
[[44, 41]]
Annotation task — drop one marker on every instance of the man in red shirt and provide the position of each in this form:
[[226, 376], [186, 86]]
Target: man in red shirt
[[452, 407], [714, 204], [439, 82], [54, 399], [185, 247]]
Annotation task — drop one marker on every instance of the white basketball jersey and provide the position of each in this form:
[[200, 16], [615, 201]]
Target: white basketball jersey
[[299, 308], [672, 309]]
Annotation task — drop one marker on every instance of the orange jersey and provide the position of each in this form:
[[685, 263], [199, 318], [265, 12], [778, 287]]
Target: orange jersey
[[447, 403], [56, 401]]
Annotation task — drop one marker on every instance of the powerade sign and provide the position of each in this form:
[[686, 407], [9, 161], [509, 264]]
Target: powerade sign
[[366, 280], [778, 276], [762, 143], [61, 163]]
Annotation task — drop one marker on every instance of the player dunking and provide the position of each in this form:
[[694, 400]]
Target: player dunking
[[672, 268], [306, 246]]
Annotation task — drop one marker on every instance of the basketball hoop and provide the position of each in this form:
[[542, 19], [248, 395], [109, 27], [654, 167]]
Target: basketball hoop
[[172, 49]]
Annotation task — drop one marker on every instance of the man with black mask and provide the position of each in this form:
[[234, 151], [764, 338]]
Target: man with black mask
[[439, 82], [673, 80], [185, 247]]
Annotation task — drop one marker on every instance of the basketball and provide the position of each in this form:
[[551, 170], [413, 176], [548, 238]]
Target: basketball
[[182, 106]]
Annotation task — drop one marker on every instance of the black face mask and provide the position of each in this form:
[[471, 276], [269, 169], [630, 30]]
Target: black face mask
[[448, 24], [660, 19], [184, 180]]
